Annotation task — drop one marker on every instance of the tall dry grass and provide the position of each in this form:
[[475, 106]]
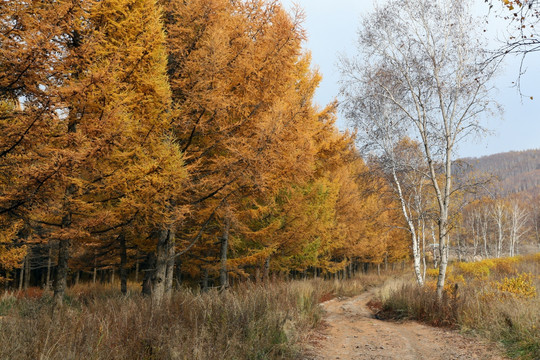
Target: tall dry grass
[[273, 321], [498, 299]]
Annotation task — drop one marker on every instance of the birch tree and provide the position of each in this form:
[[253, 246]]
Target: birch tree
[[422, 59], [380, 131], [499, 216], [517, 220]]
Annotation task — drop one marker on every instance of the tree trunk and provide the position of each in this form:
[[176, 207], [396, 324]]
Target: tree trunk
[[148, 269], [27, 269], [60, 278], [137, 267], [49, 264], [204, 280], [158, 278], [423, 250], [417, 260], [266, 269], [412, 229], [499, 241], [21, 274], [443, 248], [484, 237], [459, 245], [436, 254], [223, 253], [178, 277], [169, 273], [123, 264]]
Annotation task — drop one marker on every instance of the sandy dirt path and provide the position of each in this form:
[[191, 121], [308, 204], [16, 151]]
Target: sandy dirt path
[[351, 332]]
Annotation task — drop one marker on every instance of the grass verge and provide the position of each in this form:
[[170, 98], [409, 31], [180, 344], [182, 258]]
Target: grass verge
[[273, 321], [497, 299]]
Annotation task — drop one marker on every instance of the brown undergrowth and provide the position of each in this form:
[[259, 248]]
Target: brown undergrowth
[[495, 298], [271, 321]]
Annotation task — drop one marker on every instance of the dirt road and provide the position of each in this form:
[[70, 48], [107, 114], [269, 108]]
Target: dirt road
[[351, 332]]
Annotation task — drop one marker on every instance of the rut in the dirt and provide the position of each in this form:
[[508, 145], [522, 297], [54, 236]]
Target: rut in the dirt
[[351, 332]]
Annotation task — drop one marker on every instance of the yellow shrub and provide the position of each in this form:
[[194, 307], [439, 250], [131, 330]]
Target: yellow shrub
[[520, 286], [533, 257], [453, 282], [431, 284], [432, 273], [507, 265], [477, 270], [455, 279]]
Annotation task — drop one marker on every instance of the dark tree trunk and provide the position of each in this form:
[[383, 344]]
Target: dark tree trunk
[[60, 279], [137, 267], [266, 269], [27, 269], [123, 264], [148, 268], [21, 274], [204, 280], [223, 281], [49, 264], [178, 272]]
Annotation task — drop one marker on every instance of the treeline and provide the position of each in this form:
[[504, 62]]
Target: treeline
[[499, 226], [515, 171], [501, 217], [174, 140]]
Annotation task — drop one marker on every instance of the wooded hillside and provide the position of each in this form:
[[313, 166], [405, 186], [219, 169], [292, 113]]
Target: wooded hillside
[[515, 171]]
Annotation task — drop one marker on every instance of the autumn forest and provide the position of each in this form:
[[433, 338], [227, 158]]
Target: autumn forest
[[159, 145], [178, 146]]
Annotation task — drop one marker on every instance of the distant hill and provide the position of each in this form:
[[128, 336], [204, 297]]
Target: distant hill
[[517, 171]]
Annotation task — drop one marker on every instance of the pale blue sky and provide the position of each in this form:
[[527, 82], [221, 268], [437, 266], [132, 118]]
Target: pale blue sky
[[332, 27]]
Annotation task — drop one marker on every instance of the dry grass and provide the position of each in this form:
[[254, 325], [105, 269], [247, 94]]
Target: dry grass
[[497, 299], [249, 322]]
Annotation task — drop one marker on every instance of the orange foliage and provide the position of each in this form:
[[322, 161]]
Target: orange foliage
[[130, 121]]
